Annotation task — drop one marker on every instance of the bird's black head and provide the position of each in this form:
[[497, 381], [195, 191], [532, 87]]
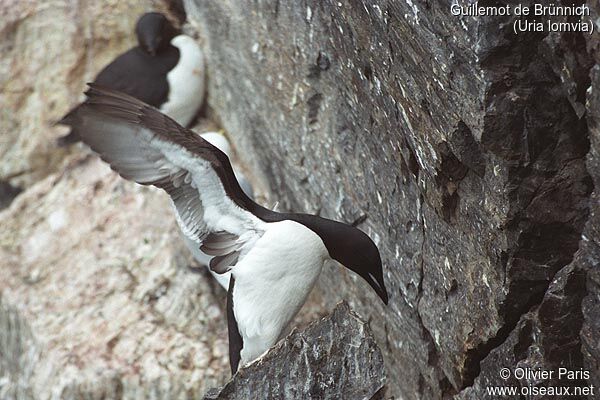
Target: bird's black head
[[351, 247], [154, 32], [357, 252]]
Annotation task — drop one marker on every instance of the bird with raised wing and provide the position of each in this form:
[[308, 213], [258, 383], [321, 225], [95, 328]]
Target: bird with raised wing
[[274, 258], [165, 70]]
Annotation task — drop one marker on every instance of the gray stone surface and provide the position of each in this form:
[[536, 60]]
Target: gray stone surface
[[457, 145], [545, 339], [563, 331], [334, 358], [590, 333]]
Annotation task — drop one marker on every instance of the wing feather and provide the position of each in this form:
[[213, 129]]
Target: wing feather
[[222, 264], [147, 147]]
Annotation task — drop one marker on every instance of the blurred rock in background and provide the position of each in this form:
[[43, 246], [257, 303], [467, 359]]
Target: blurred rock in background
[[96, 297], [50, 49], [8, 192]]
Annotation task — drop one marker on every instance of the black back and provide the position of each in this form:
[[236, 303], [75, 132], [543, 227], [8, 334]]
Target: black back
[[141, 72], [141, 75]]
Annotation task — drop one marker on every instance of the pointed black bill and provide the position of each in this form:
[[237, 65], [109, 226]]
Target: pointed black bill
[[378, 287]]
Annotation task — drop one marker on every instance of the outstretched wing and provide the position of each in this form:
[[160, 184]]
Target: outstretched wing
[[145, 146]]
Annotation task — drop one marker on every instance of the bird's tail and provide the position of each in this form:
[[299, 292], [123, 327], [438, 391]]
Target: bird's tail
[[72, 137], [67, 140]]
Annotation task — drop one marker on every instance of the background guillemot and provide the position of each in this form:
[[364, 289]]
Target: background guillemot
[[165, 70], [274, 258]]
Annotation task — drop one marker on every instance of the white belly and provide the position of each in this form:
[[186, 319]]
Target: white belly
[[186, 82], [272, 283]]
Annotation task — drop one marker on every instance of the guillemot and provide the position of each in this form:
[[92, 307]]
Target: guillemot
[[165, 70], [220, 142], [274, 258]]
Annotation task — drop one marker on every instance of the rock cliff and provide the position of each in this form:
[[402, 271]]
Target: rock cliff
[[458, 145], [335, 358]]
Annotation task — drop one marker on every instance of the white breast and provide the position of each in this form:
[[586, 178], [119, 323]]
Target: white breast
[[272, 283], [186, 81]]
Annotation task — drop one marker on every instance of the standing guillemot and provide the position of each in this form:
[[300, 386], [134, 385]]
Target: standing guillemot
[[165, 70], [221, 143], [274, 258]]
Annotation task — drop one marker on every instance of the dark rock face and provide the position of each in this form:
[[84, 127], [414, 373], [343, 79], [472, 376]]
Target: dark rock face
[[590, 248], [457, 145], [335, 358], [550, 336], [544, 339]]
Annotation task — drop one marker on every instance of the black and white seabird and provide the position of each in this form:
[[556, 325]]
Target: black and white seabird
[[165, 70], [274, 258]]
